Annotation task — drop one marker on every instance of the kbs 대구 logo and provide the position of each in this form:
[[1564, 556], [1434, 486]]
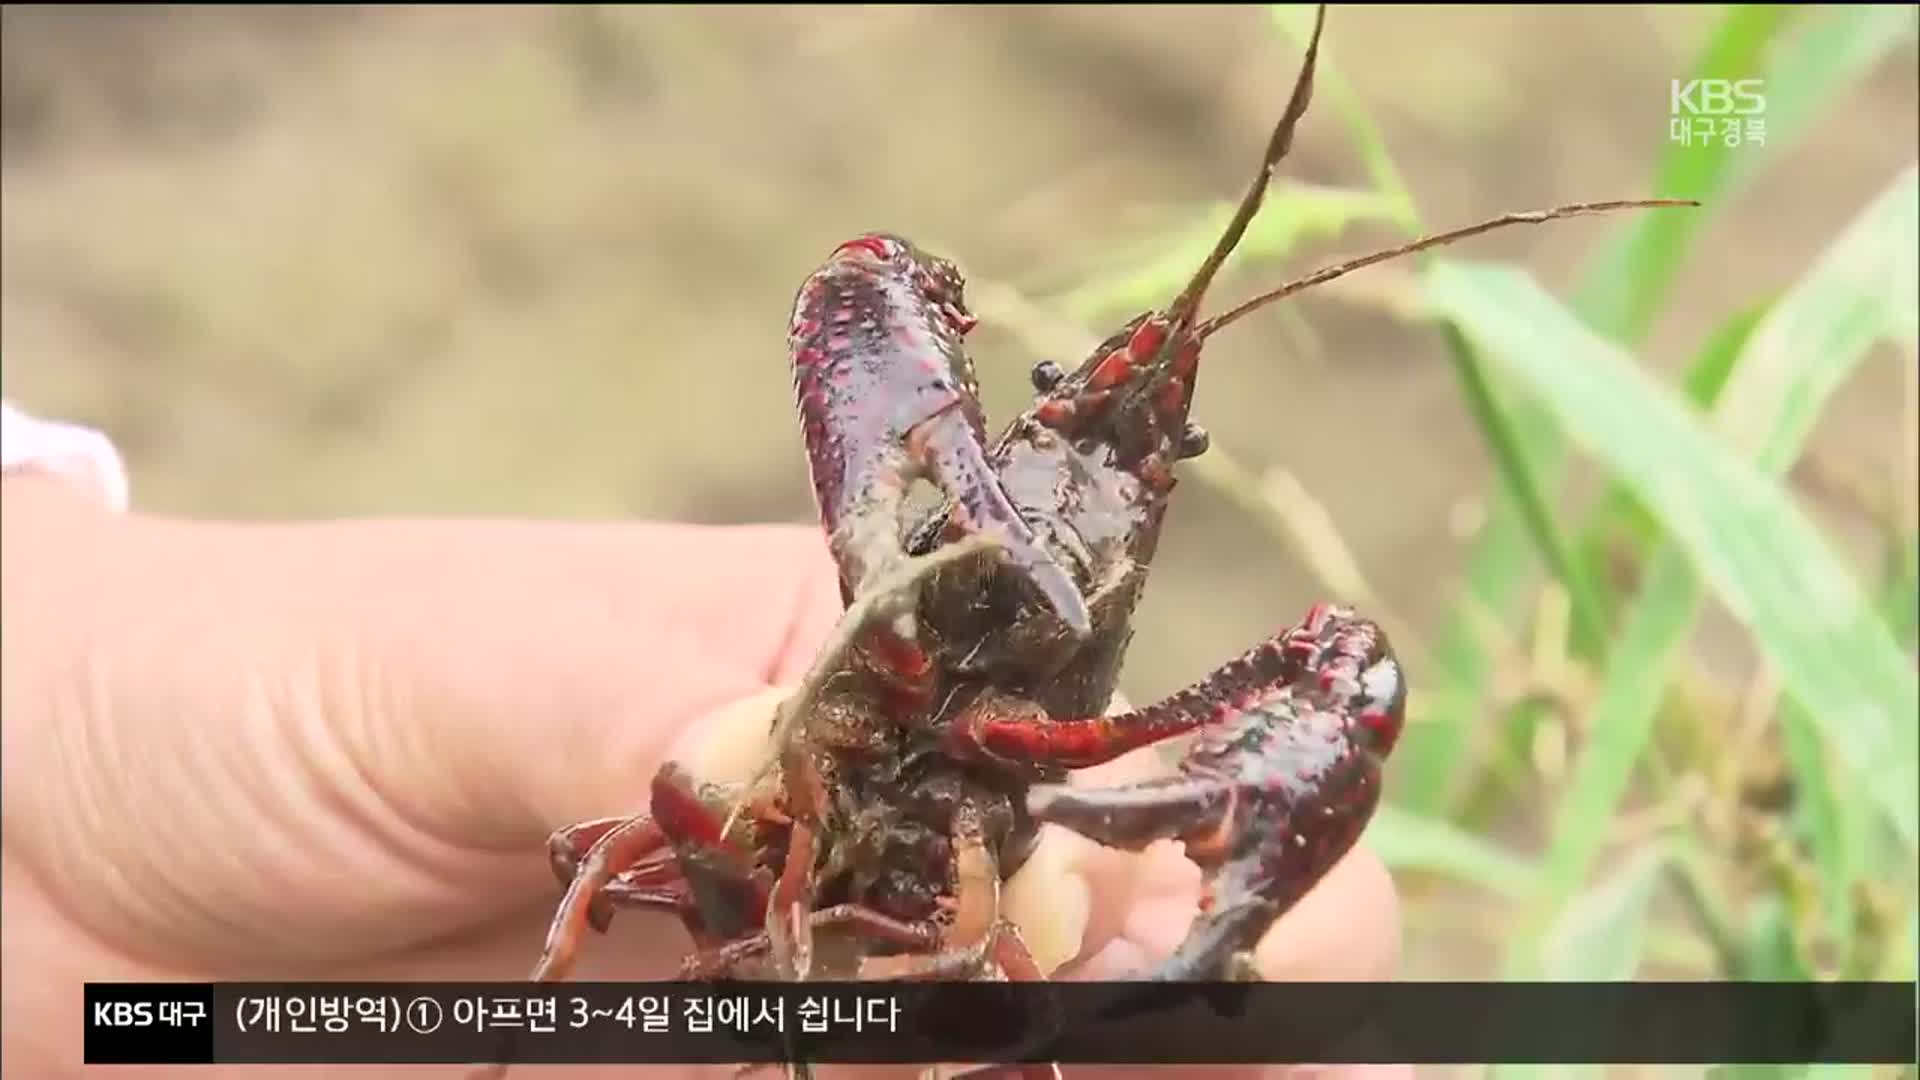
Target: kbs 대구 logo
[[1731, 110]]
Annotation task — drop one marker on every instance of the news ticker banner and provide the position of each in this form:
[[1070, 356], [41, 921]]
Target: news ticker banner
[[1080, 1023]]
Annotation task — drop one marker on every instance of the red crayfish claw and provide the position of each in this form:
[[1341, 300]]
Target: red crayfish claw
[[1279, 784]]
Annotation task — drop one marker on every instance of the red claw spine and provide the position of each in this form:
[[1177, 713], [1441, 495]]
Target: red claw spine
[[887, 396]]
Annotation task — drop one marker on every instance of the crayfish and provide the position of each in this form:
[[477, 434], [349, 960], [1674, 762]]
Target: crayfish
[[980, 648]]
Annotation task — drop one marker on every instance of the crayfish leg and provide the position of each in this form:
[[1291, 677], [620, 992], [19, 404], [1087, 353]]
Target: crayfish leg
[[725, 960], [789, 926], [1132, 816], [961, 949], [1015, 960], [618, 849], [729, 895], [968, 939], [567, 848]]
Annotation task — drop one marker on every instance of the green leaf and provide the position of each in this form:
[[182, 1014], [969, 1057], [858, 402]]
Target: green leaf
[[1809, 342], [1713, 913], [1497, 562], [1755, 1072], [1622, 722], [1433, 755], [1841, 44], [1903, 963], [1435, 759], [1708, 374], [1864, 289], [1523, 487], [1767, 564], [1835, 826], [1409, 842], [1618, 515], [1633, 272], [1294, 213], [1900, 594], [1599, 937], [1803, 80], [1771, 955]]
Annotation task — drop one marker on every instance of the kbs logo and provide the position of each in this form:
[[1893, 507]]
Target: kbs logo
[[123, 1014], [168, 1013], [1719, 97], [1724, 110]]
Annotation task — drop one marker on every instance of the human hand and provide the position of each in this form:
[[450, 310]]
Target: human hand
[[334, 751]]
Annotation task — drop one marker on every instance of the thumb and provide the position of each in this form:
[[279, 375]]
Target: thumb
[[539, 675]]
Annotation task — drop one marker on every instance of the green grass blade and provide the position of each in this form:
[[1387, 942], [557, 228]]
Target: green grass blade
[[1865, 288], [1794, 360], [1497, 562], [1632, 274], [1407, 841], [1841, 45], [1709, 372], [1523, 487], [1629, 279], [1901, 965], [1435, 760], [1599, 938], [1622, 722], [1764, 560], [1432, 755], [1293, 214], [1900, 596], [1772, 955], [1835, 827], [1694, 877], [1618, 518]]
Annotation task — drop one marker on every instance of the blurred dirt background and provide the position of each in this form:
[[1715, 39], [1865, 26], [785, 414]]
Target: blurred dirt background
[[340, 261]]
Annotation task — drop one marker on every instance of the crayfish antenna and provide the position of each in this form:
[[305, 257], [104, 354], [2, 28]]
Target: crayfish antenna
[[1187, 304], [1341, 269]]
